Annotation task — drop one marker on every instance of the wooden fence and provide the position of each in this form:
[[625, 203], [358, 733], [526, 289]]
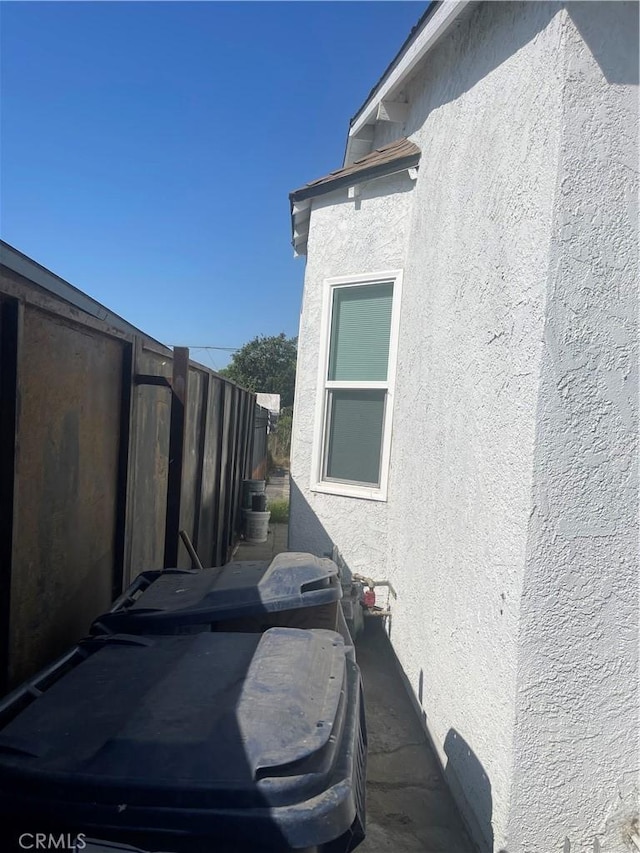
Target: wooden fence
[[110, 444]]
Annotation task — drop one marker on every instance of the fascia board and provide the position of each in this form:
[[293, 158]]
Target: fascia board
[[434, 29]]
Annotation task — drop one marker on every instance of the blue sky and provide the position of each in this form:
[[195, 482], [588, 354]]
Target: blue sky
[[147, 149]]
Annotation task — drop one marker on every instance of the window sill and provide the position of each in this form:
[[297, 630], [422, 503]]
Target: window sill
[[346, 490]]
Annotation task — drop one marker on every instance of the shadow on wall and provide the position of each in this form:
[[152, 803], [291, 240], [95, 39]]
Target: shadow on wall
[[521, 23], [306, 533], [467, 781], [611, 34], [400, 182], [609, 30], [471, 787]]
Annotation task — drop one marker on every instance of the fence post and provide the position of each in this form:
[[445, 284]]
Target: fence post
[[179, 390]]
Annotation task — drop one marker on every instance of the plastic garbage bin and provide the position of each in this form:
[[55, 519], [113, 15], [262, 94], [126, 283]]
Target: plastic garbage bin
[[236, 743], [293, 590]]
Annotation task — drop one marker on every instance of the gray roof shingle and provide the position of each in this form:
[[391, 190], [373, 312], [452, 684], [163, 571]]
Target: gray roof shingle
[[401, 154]]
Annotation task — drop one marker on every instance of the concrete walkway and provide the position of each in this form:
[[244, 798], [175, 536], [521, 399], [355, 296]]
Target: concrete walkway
[[409, 807], [275, 544], [278, 485]]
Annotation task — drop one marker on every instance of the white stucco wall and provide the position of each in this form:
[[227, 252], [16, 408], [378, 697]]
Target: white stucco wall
[[464, 435], [509, 531], [578, 720]]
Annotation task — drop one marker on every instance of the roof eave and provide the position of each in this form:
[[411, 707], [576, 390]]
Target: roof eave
[[300, 220], [352, 180], [434, 24]]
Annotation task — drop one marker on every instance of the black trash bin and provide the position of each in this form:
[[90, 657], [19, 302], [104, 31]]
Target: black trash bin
[[294, 590], [238, 743]]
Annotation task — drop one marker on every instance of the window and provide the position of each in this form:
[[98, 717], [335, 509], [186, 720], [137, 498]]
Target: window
[[357, 370]]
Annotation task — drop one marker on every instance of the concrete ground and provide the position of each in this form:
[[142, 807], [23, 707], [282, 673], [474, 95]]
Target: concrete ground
[[278, 485], [409, 807], [275, 544]]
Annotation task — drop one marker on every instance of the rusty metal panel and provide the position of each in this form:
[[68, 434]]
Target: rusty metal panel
[[66, 483], [149, 467]]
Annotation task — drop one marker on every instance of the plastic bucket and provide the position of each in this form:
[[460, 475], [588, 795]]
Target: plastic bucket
[[256, 526], [258, 502], [249, 488]]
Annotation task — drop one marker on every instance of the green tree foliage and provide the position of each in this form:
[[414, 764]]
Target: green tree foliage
[[266, 365]]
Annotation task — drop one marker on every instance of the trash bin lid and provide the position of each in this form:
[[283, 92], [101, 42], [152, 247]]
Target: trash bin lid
[[187, 733], [246, 588]]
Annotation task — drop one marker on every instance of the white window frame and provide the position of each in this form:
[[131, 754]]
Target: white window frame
[[324, 385]]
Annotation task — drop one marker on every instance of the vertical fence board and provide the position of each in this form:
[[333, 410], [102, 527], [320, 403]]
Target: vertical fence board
[[67, 470], [209, 487], [224, 483], [191, 463], [199, 474], [235, 499], [259, 454], [179, 400], [124, 449], [241, 459], [10, 327], [148, 497], [132, 464]]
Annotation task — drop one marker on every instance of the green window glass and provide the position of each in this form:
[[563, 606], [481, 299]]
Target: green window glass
[[360, 332], [355, 421]]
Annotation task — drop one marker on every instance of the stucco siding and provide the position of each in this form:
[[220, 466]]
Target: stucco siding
[[578, 689], [508, 533], [473, 319], [347, 236]]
